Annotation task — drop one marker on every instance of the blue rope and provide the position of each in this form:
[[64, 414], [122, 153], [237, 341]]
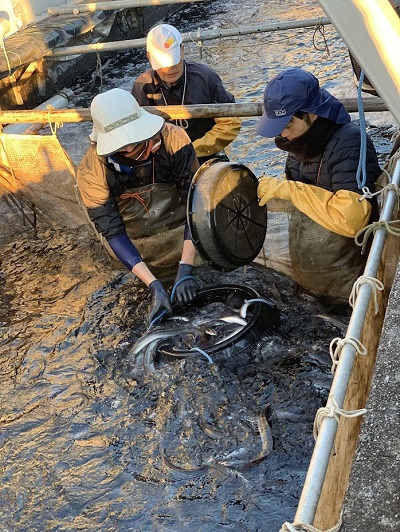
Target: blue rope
[[363, 147], [156, 319], [181, 281]]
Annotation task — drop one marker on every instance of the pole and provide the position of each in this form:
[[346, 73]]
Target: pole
[[323, 447], [59, 100], [198, 36], [171, 111], [112, 5]]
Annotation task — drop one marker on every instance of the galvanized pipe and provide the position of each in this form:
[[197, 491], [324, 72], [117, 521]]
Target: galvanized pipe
[[172, 112], [323, 447], [59, 100], [76, 9], [196, 37]]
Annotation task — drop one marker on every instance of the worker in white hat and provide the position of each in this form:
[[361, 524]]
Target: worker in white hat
[[174, 81], [134, 180]]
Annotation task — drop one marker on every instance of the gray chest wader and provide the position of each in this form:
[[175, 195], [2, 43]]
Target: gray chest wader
[[154, 216], [325, 263]]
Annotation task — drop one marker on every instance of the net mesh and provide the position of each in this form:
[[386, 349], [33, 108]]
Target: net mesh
[[275, 251], [36, 169]]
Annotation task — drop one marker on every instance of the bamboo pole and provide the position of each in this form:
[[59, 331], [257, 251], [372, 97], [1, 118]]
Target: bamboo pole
[[76, 9], [196, 37], [172, 111]]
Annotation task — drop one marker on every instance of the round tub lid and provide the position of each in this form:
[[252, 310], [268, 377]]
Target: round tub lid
[[227, 225]]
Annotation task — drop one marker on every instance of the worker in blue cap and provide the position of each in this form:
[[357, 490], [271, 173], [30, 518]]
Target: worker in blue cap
[[327, 204]]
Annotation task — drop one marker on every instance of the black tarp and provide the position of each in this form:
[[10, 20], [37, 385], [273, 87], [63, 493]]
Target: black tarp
[[34, 42]]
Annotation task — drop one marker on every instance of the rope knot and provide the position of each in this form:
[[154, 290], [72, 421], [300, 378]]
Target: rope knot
[[334, 411], [340, 342], [375, 285], [367, 194], [138, 197], [53, 126], [371, 228], [387, 188]]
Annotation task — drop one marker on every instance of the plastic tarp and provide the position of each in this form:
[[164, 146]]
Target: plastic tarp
[[34, 42]]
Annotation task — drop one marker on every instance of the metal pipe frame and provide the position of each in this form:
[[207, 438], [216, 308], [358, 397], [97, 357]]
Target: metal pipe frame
[[59, 100], [197, 37], [323, 447], [113, 5]]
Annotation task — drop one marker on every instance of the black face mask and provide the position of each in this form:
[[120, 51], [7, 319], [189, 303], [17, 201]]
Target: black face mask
[[312, 142]]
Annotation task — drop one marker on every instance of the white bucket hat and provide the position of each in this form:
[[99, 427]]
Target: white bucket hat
[[118, 120], [164, 46]]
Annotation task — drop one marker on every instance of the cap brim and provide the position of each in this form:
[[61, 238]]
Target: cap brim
[[272, 127], [139, 130]]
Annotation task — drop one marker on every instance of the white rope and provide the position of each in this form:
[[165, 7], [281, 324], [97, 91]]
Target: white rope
[[333, 411], [374, 226], [340, 342], [375, 284], [367, 194], [53, 126], [296, 527], [390, 186]]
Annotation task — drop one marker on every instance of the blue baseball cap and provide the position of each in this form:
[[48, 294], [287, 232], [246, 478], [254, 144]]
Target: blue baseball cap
[[295, 90]]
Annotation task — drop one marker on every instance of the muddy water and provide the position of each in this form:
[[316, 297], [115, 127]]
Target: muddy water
[[90, 442]]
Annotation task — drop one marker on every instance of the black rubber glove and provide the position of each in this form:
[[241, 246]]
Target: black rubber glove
[[159, 301], [185, 291]]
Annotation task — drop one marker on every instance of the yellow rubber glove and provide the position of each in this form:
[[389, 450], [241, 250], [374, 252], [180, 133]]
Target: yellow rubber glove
[[272, 187], [223, 133], [340, 212]]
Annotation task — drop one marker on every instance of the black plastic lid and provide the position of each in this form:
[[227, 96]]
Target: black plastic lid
[[227, 225]]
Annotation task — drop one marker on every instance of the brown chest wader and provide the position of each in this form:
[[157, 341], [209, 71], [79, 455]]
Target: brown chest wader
[[325, 263], [154, 216]]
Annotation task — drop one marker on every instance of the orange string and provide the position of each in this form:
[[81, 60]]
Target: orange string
[[137, 196]]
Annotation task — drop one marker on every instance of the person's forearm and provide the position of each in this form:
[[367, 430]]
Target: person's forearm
[[189, 252], [129, 255], [143, 273], [216, 139], [341, 212]]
